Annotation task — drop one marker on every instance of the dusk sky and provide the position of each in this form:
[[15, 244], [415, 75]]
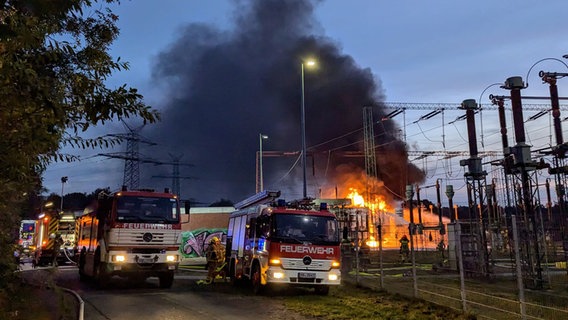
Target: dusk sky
[[222, 72]]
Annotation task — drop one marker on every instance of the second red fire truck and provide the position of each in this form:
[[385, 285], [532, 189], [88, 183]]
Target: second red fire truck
[[279, 243], [50, 225]]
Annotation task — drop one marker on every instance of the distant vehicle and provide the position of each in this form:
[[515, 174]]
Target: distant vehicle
[[27, 229], [132, 234], [283, 244], [48, 226]]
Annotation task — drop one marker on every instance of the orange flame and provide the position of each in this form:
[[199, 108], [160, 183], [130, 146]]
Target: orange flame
[[356, 198]]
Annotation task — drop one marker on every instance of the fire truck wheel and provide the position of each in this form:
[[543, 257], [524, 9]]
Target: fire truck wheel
[[166, 279], [322, 290], [255, 279], [82, 275], [103, 278]]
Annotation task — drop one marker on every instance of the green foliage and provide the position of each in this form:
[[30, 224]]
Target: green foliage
[[75, 201], [54, 62]]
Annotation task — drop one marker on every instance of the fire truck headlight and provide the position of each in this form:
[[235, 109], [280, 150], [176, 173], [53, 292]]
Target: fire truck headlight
[[332, 277], [119, 258], [274, 262], [278, 275], [171, 258], [335, 264]]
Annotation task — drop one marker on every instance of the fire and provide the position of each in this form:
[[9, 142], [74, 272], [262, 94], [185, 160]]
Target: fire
[[383, 211], [372, 242], [356, 199]]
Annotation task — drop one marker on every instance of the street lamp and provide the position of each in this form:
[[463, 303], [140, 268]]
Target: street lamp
[[309, 63], [63, 181], [260, 185]]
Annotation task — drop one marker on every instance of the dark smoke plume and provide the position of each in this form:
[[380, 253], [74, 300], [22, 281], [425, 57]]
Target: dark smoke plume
[[224, 88]]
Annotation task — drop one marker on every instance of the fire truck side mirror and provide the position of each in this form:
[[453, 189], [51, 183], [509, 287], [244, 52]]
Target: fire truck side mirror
[[103, 208], [187, 207], [251, 226]]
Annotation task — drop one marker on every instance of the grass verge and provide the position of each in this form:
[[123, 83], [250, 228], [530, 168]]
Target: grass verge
[[351, 302], [21, 301]]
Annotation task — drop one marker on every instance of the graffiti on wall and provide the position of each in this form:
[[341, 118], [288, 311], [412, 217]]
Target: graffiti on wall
[[195, 242]]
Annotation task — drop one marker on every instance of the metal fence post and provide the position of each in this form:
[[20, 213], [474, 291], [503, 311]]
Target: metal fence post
[[457, 235], [357, 246], [519, 270], [380, 234]]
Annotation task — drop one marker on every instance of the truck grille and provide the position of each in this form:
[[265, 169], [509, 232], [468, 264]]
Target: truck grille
[[123, 237], [298, 264]]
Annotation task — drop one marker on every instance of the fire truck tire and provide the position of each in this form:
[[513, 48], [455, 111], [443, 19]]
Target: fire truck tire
[[103, 278], [256, 284], [82, 275], [322, 290], [166, 279]]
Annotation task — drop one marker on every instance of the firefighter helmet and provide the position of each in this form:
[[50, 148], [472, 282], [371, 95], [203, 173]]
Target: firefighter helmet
[[215, 239]]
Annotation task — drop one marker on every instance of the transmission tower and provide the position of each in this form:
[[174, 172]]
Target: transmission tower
[[131, 157], [175, 173], [369, 139], [370, 156]]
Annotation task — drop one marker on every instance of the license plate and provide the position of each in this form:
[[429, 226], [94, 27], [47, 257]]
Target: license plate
[[306, 275], [144, 261]]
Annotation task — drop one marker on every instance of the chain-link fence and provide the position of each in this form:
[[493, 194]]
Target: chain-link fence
[[502, 283]]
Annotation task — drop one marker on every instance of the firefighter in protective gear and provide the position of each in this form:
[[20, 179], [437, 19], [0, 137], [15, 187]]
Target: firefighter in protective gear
[[57, 243], [215, 255], [404, 250]]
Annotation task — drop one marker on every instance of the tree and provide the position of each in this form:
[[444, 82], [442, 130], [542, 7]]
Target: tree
[[75, 201], [54, 62]]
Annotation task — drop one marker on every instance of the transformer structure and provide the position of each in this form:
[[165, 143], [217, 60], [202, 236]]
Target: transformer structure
[[473, 232], [523, 171], [560, 165], [353, 220], [514, 189]]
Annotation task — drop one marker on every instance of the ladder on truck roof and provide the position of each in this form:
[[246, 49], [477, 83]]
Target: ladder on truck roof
[[259, 198]]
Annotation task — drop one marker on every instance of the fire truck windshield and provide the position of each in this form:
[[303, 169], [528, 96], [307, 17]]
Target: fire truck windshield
[[304, 228], [147, 209]]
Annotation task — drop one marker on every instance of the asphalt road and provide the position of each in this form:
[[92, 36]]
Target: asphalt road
[[124, 300]]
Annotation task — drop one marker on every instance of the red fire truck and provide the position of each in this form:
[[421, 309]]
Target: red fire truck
[[133, 234], [52, 224], [279, 243]]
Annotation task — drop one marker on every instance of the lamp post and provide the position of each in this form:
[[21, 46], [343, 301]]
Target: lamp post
[[260, 176], [63, 181], [309, 63]]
